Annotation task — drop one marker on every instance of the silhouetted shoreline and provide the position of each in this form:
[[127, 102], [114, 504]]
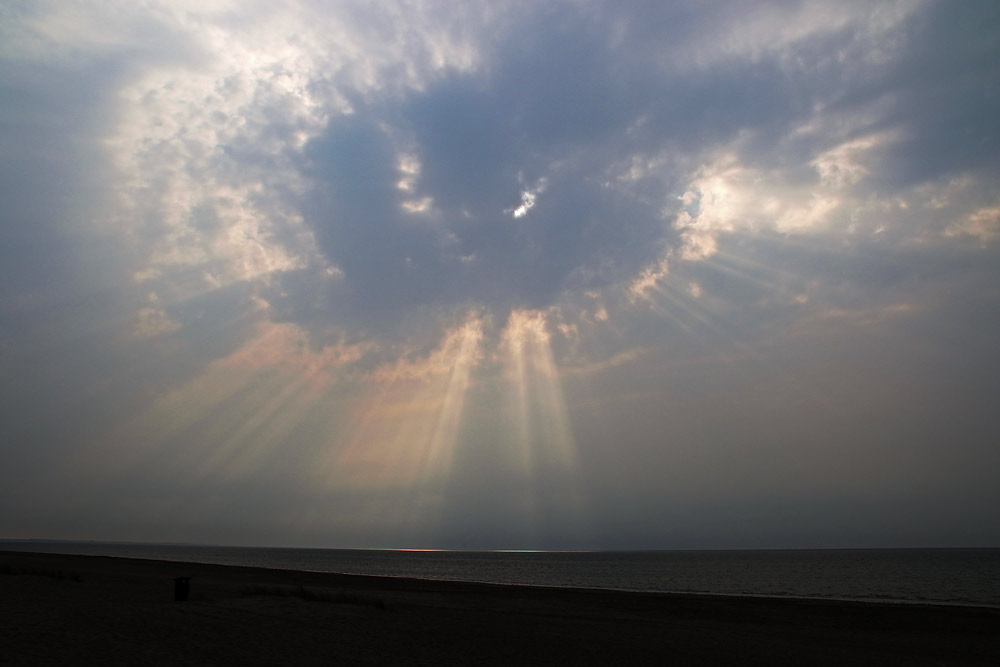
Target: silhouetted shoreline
[[57, 608]]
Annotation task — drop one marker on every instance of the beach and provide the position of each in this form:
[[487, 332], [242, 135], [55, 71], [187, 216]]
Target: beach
[[64, 609]]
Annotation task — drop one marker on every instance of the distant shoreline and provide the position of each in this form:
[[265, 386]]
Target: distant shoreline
[[940, 576], [114, 610], [48, 540], [389, 577]]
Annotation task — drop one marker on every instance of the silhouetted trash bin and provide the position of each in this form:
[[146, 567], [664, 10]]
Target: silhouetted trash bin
[[182, 586]]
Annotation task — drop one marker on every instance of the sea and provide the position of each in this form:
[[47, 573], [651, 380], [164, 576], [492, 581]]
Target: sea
[[968, 577]]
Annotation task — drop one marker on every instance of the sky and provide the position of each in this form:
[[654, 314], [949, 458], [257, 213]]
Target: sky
[[501, 275]]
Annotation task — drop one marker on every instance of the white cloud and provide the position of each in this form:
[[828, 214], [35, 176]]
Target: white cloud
[[729, 197], [528, 198], [409, 169], [844, 164], [422, 205], [983, 224], [646, 282]]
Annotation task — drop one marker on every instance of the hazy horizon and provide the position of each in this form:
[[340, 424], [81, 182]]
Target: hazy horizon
[[154, 543], [501, 275]]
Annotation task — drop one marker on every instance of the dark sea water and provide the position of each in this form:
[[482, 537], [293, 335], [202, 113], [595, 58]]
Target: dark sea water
[[943, 576]]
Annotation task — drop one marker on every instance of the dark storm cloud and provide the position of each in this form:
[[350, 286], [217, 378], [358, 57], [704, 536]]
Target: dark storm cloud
[[551, 118], [569, 97], [944, 98]]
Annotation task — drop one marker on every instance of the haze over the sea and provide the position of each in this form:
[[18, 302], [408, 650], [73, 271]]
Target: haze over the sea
[[517, 275]]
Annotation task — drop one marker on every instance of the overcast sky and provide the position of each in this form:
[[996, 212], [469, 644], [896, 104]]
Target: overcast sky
[[501, 274]]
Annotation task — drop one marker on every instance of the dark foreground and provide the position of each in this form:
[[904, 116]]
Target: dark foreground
[[58, 609]]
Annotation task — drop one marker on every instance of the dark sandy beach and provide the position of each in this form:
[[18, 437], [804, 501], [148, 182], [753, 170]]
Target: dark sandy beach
[[59, 609]]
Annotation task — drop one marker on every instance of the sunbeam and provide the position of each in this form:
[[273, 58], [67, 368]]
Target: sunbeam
[[546, 450], [407, 429]]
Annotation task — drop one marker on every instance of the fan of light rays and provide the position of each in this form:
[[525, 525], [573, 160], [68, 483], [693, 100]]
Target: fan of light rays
[[684, 292], [695, 296], [239, 421]]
